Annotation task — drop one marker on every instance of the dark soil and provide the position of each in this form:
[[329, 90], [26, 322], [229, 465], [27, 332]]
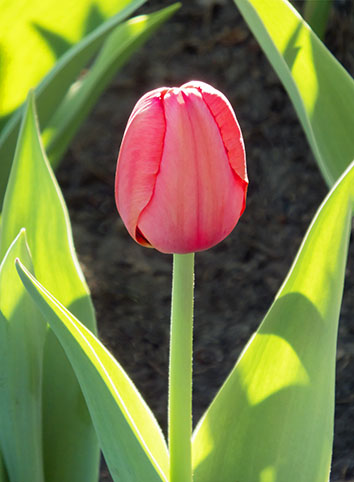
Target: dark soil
[[237, 280]]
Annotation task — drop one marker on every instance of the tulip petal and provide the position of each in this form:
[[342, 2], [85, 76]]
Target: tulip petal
[[225, 118], [197, 198], [139, 160], [230, 131]]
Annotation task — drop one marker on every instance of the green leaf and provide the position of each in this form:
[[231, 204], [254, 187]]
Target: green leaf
[[3, 473], [36, 33], [272, 420], [131, 441], [53, 88], [33, 201], [118, 48], [321, 91], [316, 14], [22, 332]]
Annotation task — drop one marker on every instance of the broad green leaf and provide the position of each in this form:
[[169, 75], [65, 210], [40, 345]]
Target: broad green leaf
[[131, 441], [272, 420], [316, 14], [53, 88], [321, 91], [120, 45], [22, 332], [34, 34], [33, 201]]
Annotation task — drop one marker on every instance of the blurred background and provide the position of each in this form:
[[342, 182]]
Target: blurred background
[[237, 280]]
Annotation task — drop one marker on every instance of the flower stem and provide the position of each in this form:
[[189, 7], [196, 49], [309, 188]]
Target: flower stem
[[180, 373]]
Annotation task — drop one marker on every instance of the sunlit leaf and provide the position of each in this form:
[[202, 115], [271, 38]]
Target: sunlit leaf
[[35, 34], [120, 45], [272, 420], [131, 441], [53, 88], [22, 332], [321, 91], [33, 201]]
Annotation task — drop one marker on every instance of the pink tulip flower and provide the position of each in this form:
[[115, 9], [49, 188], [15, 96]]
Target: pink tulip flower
[[181, 178]]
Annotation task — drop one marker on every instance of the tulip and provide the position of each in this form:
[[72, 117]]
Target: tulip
[[181, 178]]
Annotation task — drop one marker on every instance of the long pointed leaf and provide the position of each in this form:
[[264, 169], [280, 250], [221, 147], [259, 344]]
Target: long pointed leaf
[[33, 201], [22, 332], [54, 86], [35, 34], [120, 45], [273, 418], [321, 91], [131, 441]]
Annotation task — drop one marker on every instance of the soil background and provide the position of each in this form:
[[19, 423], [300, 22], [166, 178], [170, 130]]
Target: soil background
[[237, 280]]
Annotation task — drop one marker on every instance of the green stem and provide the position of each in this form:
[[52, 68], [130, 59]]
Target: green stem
[[180, 374]]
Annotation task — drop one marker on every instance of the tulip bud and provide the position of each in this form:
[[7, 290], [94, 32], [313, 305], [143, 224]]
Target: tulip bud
[[181, 178]]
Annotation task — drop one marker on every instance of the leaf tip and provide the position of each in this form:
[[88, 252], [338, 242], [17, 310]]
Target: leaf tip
[[20, 267]]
